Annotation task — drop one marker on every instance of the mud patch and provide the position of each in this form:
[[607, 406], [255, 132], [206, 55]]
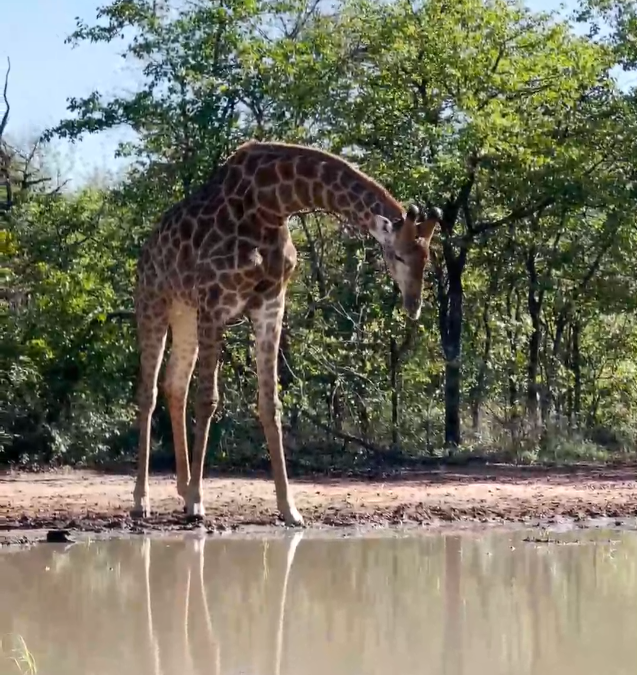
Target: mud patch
[[88, 501]]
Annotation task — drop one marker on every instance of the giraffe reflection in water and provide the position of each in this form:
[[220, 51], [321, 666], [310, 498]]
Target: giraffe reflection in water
[[181, 635], [459, 604], [145, 606]]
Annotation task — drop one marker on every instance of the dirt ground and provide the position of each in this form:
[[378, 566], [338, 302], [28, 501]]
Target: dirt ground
[[97, 502]]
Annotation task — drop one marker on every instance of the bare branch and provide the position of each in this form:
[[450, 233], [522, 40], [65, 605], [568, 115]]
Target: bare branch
[[29, 183], [301, 19], [516, 214], [5, 117], [59, 188], [5, 151], [603, 249], [377, 450]]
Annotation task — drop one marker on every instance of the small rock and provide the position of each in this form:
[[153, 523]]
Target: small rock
[[58, 537]]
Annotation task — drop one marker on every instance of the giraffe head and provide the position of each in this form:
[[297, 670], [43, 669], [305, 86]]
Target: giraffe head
[[405, 244]]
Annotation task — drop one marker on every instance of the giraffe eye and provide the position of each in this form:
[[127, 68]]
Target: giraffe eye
[[402, 260]]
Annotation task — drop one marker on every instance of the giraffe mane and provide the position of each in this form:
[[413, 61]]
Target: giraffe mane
[[254, 145]]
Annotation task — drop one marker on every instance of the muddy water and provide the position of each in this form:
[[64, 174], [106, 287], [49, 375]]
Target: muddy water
[[456, 604]]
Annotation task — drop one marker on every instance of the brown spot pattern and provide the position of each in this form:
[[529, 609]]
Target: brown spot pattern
[[186, 228], [233, 179], [286, 171], [269, 200], [266, 176]]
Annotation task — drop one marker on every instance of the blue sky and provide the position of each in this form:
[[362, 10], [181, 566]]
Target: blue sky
[[45, 72]]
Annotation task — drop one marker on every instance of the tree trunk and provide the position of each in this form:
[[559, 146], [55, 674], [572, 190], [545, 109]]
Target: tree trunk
[[393, 381], [450, 324], [476, 412], [535, 298], [480, 388], [559, 353], [568, 395], [481, 380], [450, 300], [576, 364], [512, 337], [336, 406], [363, 417]]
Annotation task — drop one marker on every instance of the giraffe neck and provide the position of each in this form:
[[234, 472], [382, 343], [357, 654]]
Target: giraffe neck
[[280, 180]]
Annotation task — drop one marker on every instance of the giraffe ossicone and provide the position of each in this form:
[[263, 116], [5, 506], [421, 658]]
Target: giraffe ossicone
[[225, 250]]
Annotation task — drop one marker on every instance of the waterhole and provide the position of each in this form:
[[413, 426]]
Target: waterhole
[[299, 604]]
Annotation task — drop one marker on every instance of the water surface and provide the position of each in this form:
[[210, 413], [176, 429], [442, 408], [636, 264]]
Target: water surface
[[483, 604]]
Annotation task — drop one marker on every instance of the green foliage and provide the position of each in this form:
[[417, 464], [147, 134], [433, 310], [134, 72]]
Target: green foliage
[[63, 354], [509, 119]]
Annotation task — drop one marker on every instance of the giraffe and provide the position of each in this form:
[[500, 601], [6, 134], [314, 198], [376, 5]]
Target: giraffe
[[225, 251]]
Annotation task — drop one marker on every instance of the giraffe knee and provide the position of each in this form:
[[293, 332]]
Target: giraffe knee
[[175, 388], [207, 402], [147, 398], [174, 394], [178, 373]]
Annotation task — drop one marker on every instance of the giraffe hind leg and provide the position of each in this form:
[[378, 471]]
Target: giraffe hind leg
[[181, 363], [152, 326]]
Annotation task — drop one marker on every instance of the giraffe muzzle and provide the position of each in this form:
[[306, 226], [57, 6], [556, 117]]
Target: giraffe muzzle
[[412, 307]]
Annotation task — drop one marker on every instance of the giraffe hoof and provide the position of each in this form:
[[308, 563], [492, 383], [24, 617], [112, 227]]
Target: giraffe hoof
[[292, 518], [139, 512], [195, 511]]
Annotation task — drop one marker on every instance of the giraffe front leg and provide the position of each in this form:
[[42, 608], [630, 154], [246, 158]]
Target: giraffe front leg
[[210, 339], [183, 354], [267, 321], [152, 340]]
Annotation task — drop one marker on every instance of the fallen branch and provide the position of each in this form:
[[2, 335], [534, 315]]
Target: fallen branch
[[377, 450]]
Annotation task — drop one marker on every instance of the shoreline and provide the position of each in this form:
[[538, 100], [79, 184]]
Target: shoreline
[[89, 501]]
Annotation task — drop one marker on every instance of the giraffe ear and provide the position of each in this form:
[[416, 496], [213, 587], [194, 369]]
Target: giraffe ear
[[382, 230]]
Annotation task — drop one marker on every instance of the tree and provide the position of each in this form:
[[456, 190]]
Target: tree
[[483, 104], [507, 118]]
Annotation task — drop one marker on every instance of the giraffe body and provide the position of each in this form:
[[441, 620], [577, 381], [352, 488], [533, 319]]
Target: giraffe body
[[226, 251]]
